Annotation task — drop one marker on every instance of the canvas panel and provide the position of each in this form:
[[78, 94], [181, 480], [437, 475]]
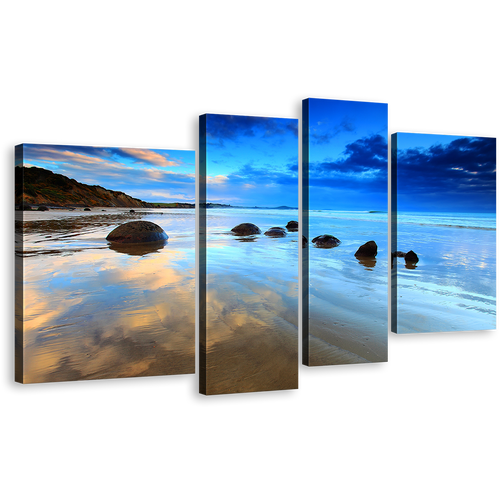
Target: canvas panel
[[89, 307], [248, 276]]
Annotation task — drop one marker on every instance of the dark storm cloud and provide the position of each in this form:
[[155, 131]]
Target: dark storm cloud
[[362, 166], [464, 166], [231, 127], [326, 136]]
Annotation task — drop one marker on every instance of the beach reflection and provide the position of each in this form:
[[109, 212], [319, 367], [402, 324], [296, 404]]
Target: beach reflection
[[252, 341], [368, 262], [411, 265], [92, 313], [453, 286], [252, 308], [138, 248], [247, 239]]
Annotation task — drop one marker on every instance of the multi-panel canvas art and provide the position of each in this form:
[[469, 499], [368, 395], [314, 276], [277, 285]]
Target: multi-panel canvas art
[[105, 244], [105, 262], [248, 254], [443, 233], [345, 223]]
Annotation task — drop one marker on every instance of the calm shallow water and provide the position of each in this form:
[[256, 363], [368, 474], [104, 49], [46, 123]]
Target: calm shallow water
[[453, 286], [93, 310], [252, 303], [347, 296]]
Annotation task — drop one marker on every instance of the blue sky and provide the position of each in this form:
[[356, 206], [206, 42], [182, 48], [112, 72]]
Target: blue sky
[[347, 155], [152, 175], [252, 161], [446, 173]]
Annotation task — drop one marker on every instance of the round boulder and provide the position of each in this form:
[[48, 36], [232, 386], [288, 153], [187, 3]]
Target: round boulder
[[292, 225], [87, 209], [24, 206], [304, 241], [245, 229], [369, 249], [132, 211], [276, 232], [411, 256], [326, 241], [137, 231], [42, 208]]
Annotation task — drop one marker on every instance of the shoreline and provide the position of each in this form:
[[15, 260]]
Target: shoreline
[[95, 312], [71, 208]]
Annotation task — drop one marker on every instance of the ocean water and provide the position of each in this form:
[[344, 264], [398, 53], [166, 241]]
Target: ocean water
[[93, 310], [453, 286], [252, 303], [443, 219], [348, 296]]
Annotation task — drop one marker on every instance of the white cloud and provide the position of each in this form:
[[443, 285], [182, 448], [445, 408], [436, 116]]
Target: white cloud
[[216, 179], [149, 156]]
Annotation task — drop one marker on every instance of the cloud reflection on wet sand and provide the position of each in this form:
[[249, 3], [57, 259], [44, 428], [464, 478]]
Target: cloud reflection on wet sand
[[252, 344], [453, 286], [252, 307], [97, 313]]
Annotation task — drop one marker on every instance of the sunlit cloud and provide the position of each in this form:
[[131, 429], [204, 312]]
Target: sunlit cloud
[[129, 170], [149, 156], [217, 179]]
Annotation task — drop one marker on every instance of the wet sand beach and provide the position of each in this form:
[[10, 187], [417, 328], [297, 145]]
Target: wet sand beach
[[94, 310], [347, 295], [252, 304], [453, 286], [252, 343]]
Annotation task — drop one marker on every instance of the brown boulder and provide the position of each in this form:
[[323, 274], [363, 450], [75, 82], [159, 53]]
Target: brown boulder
[[276, 232], [138, 231], [411, 256], [369, 249], [245, 229], [326, 241]]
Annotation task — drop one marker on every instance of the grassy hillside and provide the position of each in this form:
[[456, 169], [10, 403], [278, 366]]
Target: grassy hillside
[[38, 186]]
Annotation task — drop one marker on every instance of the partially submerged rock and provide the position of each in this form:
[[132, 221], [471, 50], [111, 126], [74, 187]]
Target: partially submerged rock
[[304, 241], [87, 209], [369, 249], [292, 225], [411, 256], [276, 232], [245, 229], [137, 231], [42, 208], [326, 241], [24, 206]]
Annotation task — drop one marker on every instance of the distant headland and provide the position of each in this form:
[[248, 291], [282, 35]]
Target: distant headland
[[38, 186], [223, 205]]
